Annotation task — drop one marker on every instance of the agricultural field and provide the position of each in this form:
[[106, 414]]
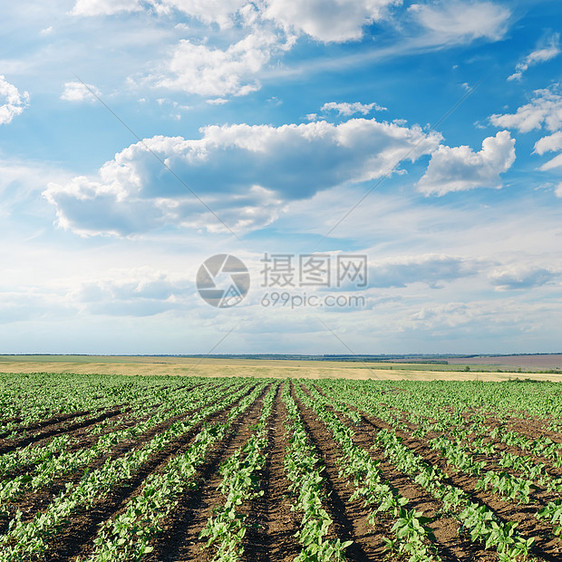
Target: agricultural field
[[172, 468]]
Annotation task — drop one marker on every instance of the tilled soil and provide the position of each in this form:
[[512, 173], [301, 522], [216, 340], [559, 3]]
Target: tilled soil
[[546, 546], [272, 525], [271, 522], [180, 539], [77, 538], [451, 545]]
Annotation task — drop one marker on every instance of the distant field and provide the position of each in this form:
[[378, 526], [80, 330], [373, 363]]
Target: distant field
[[217, 367], [526, 362]]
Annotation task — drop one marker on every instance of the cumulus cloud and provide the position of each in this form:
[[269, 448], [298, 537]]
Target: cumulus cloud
[[430, 269], [544, 110], [549, 143], [465, 21], [207, 71], [12, 102], [348, 109], [550, 50], [244, 173], [104, 7], [521, 277], [78, 92], [460, 168], [261, 31], [142, 295], [221, 12], [328, 20], [323, 20]]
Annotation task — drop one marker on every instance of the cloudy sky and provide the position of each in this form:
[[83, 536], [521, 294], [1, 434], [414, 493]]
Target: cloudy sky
[[140, 137]]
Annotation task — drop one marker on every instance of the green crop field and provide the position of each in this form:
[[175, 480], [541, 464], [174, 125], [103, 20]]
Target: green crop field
[[157, 468]]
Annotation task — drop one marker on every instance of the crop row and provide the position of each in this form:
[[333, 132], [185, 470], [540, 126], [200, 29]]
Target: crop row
[[31, 538], [477, 519]]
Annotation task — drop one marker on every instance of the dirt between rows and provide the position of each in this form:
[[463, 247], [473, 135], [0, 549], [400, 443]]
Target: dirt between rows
[[272, 525], [8, 445], [531, 429], [180, 537], [77, 538], [82, 435], [270, 522], [546, 546], [33, 502], [451, 546], [350, 517], [59, 423], [53, 420]]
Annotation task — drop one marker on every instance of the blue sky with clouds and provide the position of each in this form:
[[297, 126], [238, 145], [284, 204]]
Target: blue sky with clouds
[[140, 137]]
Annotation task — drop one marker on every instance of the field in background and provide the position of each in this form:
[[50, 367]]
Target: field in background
[[540, 362], [228, 367]]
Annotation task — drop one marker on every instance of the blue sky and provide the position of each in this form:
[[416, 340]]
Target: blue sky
[[140, 137]]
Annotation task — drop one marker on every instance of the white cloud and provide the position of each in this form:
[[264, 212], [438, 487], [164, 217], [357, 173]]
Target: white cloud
[[142, 293], [76, 91], [558, 190], [104, 7], [214, 72], [427, 268], [217, 101], [543, 54], [244, 173], [348, 109], [549, 143], [323, 20], [544, 110], [12, 102], [556, 162], [257, 32], [460, 168], [221, 12], [328, 20], [460, 20], [522, 277]]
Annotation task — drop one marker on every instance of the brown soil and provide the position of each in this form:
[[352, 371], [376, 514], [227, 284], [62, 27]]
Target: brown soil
[[32, 502], [450, 545], [350, 518], [546, 546], [180, 538], [7, 445], [77, 537], [271, 523]]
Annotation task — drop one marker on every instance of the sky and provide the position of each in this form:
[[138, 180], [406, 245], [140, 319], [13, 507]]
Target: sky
[[386, 174]]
